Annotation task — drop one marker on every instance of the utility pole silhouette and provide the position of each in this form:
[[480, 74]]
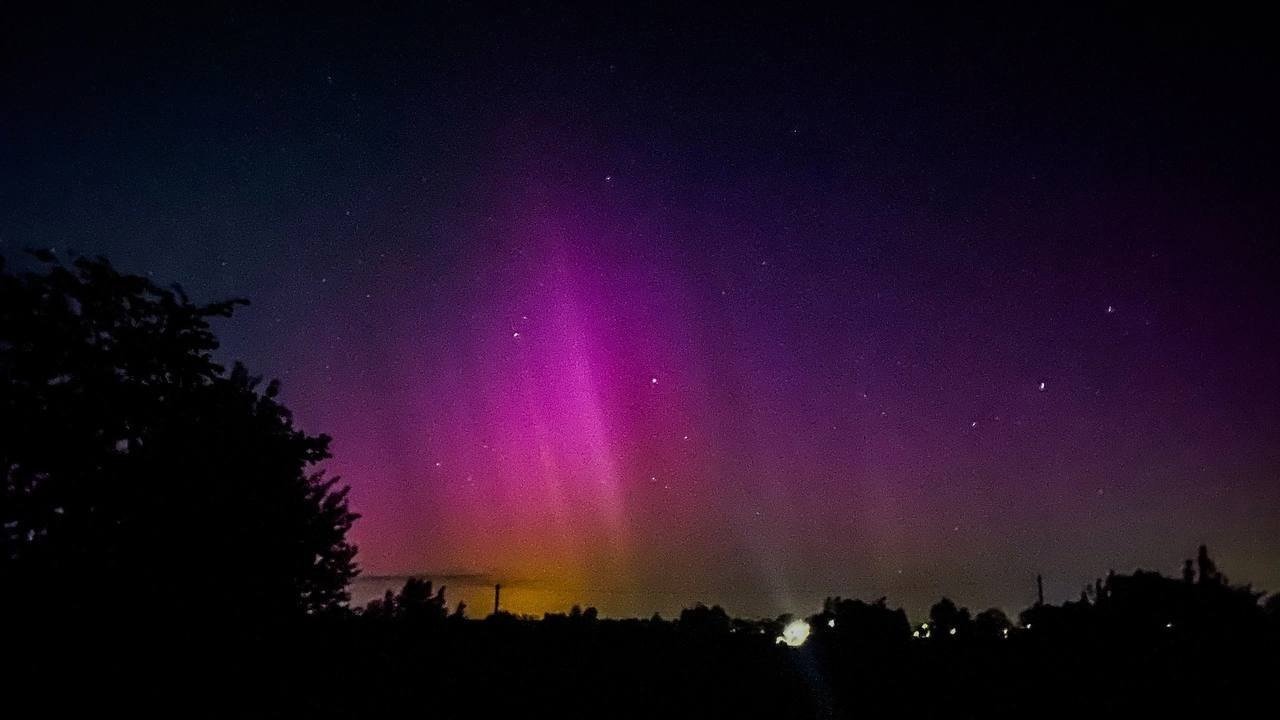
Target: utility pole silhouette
[[1039, 589], [497, 596]]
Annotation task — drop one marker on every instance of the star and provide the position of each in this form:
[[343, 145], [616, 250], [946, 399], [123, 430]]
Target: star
[[653, 381]]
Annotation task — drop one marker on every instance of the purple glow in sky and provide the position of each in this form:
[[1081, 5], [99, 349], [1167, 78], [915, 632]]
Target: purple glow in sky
[[634, 313]]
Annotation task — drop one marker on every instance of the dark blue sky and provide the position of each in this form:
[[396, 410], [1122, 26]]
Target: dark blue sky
[[848, 248]]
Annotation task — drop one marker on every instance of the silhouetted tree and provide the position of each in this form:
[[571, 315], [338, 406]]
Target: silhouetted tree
[[863, 623], [382, 608], [135, 466], [992, 623], [416, 602], [701, 619], [945, 617], [1208, 570]]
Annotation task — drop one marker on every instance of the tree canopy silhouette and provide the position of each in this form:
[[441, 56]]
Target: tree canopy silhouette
[[134, 466]]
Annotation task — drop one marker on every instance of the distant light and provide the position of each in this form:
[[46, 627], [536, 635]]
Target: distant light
[[831, 622], [953, 631], [915, 634], [1111, 309], [1041, 387], [1168, 626], [653, 381], [515, 335], [1028, 626], [1004, 632], [795, 633]]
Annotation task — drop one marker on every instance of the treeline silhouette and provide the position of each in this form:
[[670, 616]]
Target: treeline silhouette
[[168, 547], [1139, 644]]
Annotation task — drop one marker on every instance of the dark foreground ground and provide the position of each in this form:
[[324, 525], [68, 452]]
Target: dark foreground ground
[[353, 667]]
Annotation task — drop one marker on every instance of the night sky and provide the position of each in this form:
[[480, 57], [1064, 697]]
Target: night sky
[[746, 307]]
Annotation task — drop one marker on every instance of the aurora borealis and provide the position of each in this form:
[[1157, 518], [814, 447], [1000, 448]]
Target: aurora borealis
[[636, 313]]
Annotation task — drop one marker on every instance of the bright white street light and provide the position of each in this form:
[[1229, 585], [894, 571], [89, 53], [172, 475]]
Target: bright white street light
[[795, 633]]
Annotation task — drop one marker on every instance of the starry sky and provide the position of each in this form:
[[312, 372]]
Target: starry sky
[[745, 307]]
